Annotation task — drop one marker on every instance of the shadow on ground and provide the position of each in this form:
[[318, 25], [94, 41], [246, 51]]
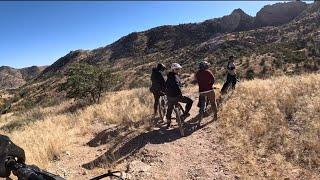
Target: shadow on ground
[[125, 140]]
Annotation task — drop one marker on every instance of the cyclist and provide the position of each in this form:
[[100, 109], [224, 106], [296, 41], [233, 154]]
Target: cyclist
[[174, 94], [158, 85], [205, 80], [231, 76]]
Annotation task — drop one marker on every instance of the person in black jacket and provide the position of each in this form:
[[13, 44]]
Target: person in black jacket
[[174, 94], [231, 76], [158, 85]]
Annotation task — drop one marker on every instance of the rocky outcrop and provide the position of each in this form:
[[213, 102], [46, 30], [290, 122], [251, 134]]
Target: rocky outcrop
[[279, 13], [236, 21]]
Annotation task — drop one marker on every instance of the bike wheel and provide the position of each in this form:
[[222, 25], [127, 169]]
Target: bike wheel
[[179, 119]]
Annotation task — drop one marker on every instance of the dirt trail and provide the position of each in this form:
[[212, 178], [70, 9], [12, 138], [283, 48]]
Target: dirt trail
[[156, 154]]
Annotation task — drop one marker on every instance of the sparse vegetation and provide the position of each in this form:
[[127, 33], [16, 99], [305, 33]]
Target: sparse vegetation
[[250, 74], [273, 126], [46, 132]]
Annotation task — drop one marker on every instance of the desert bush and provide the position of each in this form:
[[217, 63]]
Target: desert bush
[[250, 74], [27, 103], [5, 107], [87, 82], [263, 61]]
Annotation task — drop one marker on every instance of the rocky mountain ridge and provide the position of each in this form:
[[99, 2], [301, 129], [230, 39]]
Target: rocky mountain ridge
[[278, 49], [174, 37], [11, 78]]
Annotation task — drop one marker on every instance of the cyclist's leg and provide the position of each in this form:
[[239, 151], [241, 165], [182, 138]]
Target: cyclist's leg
[[226, 85], [188, 103], [171, 103], [233, 81], [156, 96], [212, 98], [202, 103]]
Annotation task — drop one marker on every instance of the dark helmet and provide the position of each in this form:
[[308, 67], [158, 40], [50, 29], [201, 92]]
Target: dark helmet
[[232, 57], [161, 67], [204, 65]]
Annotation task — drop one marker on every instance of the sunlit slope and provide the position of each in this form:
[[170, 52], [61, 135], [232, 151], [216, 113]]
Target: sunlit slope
[[274, 126]]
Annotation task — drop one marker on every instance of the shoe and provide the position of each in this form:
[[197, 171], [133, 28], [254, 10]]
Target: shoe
[[168, 124], [160, 121], [198, 125], [184, 116], [215, 117], [155, 115]]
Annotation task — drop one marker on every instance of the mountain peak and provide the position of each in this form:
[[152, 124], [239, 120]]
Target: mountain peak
[[239, 11]]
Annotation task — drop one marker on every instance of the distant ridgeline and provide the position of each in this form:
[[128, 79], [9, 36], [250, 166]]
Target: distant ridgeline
[[283, 38]]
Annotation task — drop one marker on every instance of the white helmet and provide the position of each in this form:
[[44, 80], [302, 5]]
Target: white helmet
[[175, 66]]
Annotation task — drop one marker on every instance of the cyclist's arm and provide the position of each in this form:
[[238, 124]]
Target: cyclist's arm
[[211, 77], [178, 85], [195, 80]]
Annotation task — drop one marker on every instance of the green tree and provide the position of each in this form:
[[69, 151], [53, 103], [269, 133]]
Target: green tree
[[87, 82]]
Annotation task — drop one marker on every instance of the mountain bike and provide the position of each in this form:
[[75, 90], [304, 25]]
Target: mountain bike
[[163, 106], [229, 87], [112, 175], [31, 172], [226, 94], [179, 111], [27, 172], [203, 104]]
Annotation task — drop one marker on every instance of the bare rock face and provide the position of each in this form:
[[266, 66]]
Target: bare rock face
[[279, 13]]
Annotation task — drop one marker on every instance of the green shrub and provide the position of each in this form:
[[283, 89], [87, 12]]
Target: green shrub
[[250, 74]]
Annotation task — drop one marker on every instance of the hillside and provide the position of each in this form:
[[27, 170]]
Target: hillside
[[264, 45], [139, 46], [267, 129], [11, 78]]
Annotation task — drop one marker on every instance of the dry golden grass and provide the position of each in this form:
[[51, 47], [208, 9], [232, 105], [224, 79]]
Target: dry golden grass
[[53, 129], [274, 127]]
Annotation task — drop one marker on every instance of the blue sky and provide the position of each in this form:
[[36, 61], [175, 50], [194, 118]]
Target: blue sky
[[38, 33]]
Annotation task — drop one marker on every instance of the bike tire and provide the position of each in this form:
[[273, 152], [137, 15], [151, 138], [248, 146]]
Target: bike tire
[[201, 115], [179, 120]]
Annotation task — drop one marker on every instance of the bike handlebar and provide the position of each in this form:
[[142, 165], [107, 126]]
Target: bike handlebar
[[27, 172], [108, 174]]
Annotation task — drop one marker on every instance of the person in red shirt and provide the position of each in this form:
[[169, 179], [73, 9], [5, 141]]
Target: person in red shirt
[[205, 80]]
